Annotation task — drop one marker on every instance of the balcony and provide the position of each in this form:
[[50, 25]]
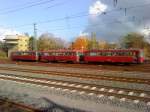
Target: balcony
[[11, 42]]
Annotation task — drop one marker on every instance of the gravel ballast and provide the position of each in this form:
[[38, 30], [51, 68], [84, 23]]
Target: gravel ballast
[[58, 100], [45, 97]]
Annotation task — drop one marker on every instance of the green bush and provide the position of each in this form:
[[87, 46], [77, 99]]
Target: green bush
[[3, 54]]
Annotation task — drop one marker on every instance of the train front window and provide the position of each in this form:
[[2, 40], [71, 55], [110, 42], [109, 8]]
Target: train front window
[[16, 53], [141, 53], [79, 53]]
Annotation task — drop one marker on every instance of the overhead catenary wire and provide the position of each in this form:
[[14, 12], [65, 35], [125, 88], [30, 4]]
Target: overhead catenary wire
[[78, 15], [83, 14], [58, 4], [25, 7], [20, 5], [90, 26]]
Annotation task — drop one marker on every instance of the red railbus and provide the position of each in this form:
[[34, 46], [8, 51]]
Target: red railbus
[[114, 56], [77, 56], [60, 55], [24, 56]]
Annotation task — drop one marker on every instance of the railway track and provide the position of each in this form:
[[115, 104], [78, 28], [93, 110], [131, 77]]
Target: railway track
[[100, 91], [83, 76], [140, 68], [19, 105]]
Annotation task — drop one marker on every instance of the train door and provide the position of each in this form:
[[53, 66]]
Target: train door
[[80, 56], [140, 56]]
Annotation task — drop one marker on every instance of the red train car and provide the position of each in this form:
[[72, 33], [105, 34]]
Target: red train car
[[60, 55], [114, 56], [24, 56]]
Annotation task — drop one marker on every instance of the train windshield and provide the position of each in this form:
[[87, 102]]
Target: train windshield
[[80, 54], [141, 54]]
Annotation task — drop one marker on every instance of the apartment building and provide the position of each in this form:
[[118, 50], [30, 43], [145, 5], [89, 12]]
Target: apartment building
[[17, 42]]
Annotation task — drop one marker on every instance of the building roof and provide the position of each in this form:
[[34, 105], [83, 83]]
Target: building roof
[[14, 37]]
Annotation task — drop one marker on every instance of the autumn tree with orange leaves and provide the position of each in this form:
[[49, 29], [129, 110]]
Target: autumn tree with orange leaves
[[80, 43]]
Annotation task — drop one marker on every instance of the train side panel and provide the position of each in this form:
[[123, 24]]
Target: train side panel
[[116, 59], [67, 56], [114, 56], [24, 56]]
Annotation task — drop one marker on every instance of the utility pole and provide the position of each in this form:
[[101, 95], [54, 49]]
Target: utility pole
[[35, 36]]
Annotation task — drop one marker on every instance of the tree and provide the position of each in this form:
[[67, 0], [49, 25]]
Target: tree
[[93, 43], [80, 43], [3, 50], [147, 50], [103, 45], [133, 40], [31, 43], [47, 41]]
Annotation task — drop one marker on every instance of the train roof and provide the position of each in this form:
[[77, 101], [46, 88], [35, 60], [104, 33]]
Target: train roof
[[118, 50], [23, 51], [62, 51]]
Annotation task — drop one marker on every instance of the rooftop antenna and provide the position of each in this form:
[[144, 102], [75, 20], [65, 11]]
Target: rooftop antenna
[[35, 36], [125, 11], [115, 2]]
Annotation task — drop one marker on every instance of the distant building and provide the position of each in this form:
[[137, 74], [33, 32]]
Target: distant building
[[17, 43]]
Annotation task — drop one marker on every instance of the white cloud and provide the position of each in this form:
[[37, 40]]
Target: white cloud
[[146, 33], [97, 8], [83, 34], [111, 26], [5, 31]]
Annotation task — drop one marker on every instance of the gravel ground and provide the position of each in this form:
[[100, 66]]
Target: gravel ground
[[53, 100]]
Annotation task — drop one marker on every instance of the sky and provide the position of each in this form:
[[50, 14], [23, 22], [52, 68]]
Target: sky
[[70, 18]]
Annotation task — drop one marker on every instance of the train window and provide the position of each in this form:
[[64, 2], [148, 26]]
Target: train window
[[59, 54], [103, 53], [51, 54], [120, 53], [46, 54], [114, 54], [39, 53], [99, 53], [93, 53], [141, 54], [126, 53], [79, 53], [74, 53], [109, 53], [130, 54], [86, 53], [56, 54], [134, 53], [68, 54], [16, 53], [25, 53], [32, 53]]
